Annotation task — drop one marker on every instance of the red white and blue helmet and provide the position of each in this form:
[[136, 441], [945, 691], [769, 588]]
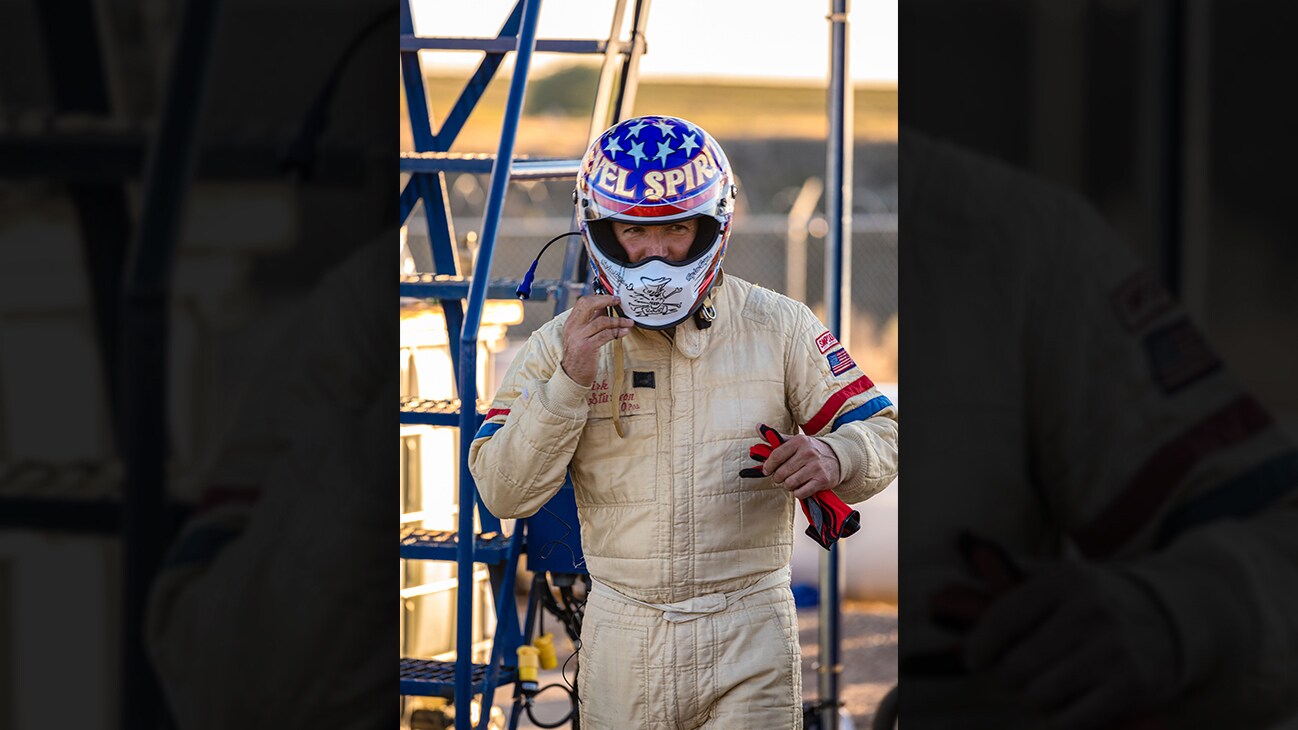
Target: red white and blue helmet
[[650, 171]]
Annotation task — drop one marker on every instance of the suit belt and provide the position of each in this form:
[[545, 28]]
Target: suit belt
[[699, 606]]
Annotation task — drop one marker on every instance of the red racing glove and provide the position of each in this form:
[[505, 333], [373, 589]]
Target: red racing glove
[[828, 516]]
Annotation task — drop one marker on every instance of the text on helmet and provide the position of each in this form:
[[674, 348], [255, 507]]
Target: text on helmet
[[658, 184]]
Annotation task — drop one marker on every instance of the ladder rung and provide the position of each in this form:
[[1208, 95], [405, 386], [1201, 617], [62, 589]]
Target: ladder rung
[[444, 286], [505, 44], [430, 677], [523, 168], [418, 543], [435, 412]]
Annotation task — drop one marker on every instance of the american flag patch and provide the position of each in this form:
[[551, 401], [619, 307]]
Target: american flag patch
[[826, 341], [840, 362]]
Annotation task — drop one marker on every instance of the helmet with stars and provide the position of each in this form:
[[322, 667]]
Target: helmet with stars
[[650, 171]]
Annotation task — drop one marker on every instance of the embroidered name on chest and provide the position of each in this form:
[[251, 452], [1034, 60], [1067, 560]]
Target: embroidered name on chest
[[601, 395]]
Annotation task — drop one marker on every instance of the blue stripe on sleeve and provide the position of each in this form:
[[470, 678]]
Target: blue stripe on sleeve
[[1237, 498], [863, 411], [488, 429]]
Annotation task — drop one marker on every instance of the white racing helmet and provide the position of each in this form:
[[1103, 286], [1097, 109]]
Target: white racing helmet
[[650, 171]]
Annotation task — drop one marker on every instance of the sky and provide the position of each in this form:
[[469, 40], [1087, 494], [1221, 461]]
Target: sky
[[757, 39]]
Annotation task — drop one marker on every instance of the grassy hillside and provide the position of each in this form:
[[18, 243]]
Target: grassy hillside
[[726, 109]]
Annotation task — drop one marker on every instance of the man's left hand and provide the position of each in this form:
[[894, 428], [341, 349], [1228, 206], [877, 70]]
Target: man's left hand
[[804, 465]]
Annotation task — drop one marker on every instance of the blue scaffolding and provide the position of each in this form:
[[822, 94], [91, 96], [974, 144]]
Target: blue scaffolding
[[462, 299]]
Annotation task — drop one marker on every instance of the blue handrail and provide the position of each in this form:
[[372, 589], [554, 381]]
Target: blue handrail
[[468, 358]]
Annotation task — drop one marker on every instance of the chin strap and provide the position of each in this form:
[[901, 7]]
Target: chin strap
[[618, 374], [707, 313]]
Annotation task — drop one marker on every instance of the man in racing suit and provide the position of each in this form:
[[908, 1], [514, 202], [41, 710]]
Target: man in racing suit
[[690, 622]]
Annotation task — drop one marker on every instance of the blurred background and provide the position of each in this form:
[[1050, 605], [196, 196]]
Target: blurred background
[[1168, 116], [286, 184], [1170, 120]]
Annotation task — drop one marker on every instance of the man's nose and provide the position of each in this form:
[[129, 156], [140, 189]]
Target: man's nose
[[655, 244]]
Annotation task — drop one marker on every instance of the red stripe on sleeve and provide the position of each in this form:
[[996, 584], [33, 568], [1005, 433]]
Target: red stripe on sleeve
[[495, 412], [1158, 478], [830, 409]]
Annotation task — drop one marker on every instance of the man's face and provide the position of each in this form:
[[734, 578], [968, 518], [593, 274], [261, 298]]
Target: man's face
[[671, 241]]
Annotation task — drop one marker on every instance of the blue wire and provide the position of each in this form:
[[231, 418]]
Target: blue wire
[[524, 290]]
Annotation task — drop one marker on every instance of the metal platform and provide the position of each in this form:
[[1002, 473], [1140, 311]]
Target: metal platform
[[422, 411], [432, 678], [84, 497], [418, 543], [522, 168], [507, 43], [446, 286]]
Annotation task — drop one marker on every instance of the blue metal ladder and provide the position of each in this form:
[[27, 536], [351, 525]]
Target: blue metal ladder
[[427, 167]]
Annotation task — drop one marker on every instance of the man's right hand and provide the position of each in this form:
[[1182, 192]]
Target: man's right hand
[[589, 327]]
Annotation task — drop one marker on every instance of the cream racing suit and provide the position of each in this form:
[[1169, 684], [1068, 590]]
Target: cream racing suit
[[691, 622]]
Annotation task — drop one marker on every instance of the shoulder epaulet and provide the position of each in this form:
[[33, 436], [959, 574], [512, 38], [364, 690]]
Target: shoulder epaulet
[[760, 304]]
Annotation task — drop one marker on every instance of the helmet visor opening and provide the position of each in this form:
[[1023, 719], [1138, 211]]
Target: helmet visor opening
[[602, 235], [706, 234]]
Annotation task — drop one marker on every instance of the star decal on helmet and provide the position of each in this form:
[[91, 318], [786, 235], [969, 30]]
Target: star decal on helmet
[[689, 145], [612, 146], [664, 149], [637, 152], [667, 129], [634, 129]]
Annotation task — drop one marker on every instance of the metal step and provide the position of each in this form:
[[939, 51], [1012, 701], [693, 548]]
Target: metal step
[[418, 543], [72, 497], [427, 412], [523, 168], [444, 286], [431, 678], [505, 44]]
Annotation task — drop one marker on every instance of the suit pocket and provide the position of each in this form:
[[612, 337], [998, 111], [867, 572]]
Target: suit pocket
[[613, 687]]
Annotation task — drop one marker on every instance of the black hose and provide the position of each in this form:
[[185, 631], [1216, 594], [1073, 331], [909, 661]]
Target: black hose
[[569, 614], [571, 604], [572, 698]]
